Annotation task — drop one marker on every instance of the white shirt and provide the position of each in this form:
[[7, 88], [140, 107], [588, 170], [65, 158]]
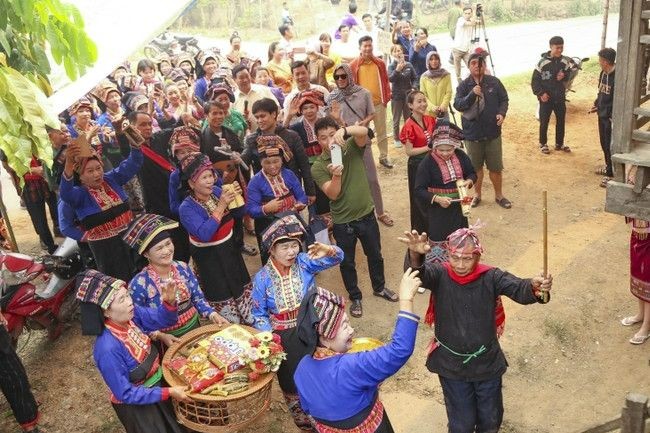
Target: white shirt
[[256, 93], [464, 33]]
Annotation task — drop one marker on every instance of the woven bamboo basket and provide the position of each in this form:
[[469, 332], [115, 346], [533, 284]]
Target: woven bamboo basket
[[215, 414]]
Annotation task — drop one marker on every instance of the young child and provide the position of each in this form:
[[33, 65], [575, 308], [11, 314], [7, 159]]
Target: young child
[[273, 189], [263, 77], [339, 390]]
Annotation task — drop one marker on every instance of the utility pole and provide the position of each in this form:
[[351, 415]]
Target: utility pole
[[605, 16]]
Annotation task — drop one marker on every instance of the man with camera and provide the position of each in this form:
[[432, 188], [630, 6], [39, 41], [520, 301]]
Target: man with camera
[[464, 34]]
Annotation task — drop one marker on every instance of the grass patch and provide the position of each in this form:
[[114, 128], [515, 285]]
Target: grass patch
[[558, 329]]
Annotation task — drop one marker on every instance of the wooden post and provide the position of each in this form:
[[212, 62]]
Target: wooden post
[[545, 298], [603, 37], [634, 413], [10, 230]]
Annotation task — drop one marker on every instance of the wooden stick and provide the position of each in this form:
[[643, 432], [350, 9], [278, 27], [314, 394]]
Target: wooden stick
[[545, 236]]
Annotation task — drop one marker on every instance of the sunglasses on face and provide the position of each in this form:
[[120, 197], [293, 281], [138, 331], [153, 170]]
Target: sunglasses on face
[[340, 77]]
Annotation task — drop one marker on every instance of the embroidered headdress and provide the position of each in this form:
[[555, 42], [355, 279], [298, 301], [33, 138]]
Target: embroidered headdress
[[287, 227], [96, 291], [185, 137], [147, 230], [193, 165], [321, 314], [273, 145]]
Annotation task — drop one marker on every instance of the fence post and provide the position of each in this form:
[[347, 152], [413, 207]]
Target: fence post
[[634, 413]]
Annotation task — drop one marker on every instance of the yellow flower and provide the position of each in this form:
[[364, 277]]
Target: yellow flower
[[263, 352], [265, 336]]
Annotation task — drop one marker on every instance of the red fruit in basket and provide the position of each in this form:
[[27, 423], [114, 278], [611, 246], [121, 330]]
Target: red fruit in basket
[[253, 376], [254, 342]]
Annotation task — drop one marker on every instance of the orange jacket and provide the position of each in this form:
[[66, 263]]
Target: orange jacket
[[383, 76]]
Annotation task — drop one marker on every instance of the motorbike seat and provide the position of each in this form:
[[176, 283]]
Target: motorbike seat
[[184, 39], [20, 263]]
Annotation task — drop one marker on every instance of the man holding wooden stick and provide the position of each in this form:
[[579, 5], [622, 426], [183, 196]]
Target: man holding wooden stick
[[465, 352]]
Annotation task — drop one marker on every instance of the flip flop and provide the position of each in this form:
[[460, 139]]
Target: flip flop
[[604, 181], [387, 294], [544, 149], [356, 310], [249, 250], [630, 320], [476, 201], [563, 148], [639, 339], [602, 171], [503, 202]]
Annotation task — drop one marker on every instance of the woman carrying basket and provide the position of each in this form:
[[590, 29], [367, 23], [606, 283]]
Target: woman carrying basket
[[278, 290], [150, 236], [123, 352]]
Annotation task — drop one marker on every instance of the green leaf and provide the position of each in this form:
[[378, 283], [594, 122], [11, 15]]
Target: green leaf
[[41, 59], [4, 42], [70, 68]]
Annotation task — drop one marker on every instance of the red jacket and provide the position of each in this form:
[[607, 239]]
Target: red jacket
[[383, 76]]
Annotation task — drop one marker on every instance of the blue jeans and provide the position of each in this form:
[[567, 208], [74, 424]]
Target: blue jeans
[[473, 406], [366, 230]]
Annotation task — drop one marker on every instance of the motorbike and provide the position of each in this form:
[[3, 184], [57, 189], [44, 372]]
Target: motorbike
[[427, 7], [38, 292], [172, 45]]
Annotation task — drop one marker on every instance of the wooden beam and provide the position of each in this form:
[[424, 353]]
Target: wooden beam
[[644, 39], [634, 413], [622, 200], [642, 111], [641, 135], [609, 426], [645, 15], [621, 140]]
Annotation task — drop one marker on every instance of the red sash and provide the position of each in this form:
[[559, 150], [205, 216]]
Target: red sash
[[157, 159]]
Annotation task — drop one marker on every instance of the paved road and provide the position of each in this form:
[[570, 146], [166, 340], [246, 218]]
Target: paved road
[[515, 48]]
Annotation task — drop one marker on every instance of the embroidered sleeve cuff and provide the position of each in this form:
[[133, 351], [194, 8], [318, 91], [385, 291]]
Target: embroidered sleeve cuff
[[164, 394], [410, 316], [170, 307]]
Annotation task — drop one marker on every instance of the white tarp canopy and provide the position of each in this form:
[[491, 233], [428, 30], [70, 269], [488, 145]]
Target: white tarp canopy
[[119, 28]]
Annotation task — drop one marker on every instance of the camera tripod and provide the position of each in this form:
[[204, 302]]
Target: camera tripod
[[480, 28]]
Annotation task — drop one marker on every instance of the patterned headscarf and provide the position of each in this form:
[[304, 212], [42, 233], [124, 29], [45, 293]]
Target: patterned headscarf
[[193, 165], [177, 75], [273, 145], [314, 96], [352, 87], [446, 134], [104, 90], [287, 227], [434, 73], [462, 238], [185, 137], [147, 230], [96, 288], [135, 99], [207, 54], [183, 57], [80, 162], [81, 103], [216, 89], [321, 314]]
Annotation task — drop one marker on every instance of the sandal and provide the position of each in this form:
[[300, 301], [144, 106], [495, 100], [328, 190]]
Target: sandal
[[631, 320], [563, 148], [386, 219], [503, 202], [604, 181], [476, 201], [356, 310], [249, 250], [639, 339], [544, 149], [601, 171], [387, 294]]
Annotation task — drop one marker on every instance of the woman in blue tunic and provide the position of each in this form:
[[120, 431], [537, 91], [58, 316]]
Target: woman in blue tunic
[[123, 352], [278, 290], [207, 217], [339, 389]]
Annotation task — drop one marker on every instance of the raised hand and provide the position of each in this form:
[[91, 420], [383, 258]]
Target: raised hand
[[409, 285], [168, 293], [417, 243], [317, 250]]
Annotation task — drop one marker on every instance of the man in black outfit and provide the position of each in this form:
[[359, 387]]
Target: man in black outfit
[[154, 175], [15, 385], [549, 85], [603, 106]]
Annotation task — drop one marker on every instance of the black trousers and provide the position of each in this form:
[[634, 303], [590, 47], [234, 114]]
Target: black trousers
[[473, 406], [14, 383], [605, 133], [545, 110], [365, 230], [37, 213]]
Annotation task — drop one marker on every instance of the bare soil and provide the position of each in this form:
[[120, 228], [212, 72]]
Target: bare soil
[[570, 361]]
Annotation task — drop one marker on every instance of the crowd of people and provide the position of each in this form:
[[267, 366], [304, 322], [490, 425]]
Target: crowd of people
[[160, 173]]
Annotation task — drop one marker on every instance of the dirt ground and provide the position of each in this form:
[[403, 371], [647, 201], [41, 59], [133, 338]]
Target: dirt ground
[[570, 361]]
